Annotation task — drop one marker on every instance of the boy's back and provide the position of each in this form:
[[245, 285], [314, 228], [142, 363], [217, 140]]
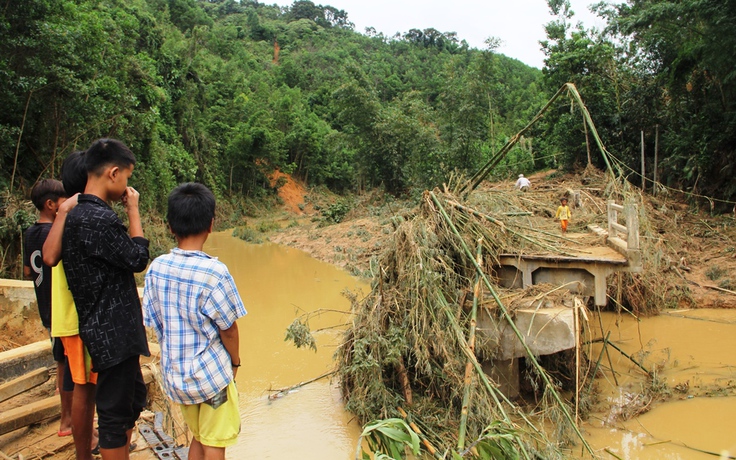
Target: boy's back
[[34, 237], [100, 259], [189, 297], [47, 195], [191, 301]]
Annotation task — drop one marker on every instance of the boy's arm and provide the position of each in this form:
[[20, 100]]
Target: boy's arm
[[27, 274], [130, 201], [231, 340], [105, 242], [52, 246]]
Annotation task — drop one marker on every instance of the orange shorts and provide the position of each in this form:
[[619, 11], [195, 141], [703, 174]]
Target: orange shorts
[[80, 364], [563, 224]]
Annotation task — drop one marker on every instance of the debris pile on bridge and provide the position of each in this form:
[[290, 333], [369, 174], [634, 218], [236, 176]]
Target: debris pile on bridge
[[412, 347]]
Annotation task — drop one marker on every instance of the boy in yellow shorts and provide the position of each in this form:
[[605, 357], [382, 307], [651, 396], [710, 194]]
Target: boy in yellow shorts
[[191, 301]]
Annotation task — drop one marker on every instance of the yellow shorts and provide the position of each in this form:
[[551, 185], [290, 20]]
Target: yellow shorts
[[80, 364], [214, 427]]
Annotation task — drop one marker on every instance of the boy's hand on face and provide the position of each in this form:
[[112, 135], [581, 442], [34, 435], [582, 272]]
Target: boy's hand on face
[[68, 204], [130, 199]]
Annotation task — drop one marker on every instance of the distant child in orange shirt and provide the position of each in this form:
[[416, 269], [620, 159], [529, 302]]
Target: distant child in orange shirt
[[563, 214]]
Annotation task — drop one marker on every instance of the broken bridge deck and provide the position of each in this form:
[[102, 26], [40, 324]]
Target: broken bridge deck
[[586, 267]]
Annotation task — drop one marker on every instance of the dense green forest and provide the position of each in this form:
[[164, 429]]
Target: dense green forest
[[666, 68], [225, 92]]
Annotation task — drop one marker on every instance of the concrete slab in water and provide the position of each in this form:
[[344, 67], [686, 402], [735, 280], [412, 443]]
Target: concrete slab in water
[[545, 331]]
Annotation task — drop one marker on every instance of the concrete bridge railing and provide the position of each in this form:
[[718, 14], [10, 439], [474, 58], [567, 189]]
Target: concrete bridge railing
[[624, 238]]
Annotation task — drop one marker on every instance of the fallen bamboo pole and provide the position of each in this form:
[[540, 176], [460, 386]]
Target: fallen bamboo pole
[[430, 448], [608, 355], [496, 158], [492, 389], [576, 314], [284, 391], [630, 358], [471, 344], [598, 364], [543, 232], [513, 327], [404, 381], [505, 228]]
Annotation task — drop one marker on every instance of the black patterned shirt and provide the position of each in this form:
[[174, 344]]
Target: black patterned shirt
[[100, 259]]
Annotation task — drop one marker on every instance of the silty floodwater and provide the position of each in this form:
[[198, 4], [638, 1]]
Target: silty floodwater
[[694, 349], [278, 284], [694, 354]]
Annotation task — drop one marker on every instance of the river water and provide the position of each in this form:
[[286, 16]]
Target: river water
[[696, 349], [277, 285]]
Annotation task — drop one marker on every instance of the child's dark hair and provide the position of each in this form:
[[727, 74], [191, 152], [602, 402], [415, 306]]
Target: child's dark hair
[[44, 190], [104, 152], [74, 173], [191, 209]]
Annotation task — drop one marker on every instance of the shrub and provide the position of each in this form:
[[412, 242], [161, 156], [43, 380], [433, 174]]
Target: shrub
[[715, 272], [247, 234]]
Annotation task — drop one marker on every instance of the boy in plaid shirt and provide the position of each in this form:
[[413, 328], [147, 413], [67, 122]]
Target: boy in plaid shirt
[[191, 301]]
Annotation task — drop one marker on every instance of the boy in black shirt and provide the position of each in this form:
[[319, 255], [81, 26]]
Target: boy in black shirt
[[100, 258], [47, 195]]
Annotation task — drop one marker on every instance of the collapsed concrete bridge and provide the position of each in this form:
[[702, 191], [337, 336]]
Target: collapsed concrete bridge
[[549, 329]]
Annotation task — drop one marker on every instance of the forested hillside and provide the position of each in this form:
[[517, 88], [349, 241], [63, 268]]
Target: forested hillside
[[223, 92], [664, 68]]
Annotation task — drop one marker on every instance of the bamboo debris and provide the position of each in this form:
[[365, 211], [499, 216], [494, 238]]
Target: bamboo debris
[[471, 345], [413, 340], [638, 364], [430, 448], [505, 228], [542, 373], [411, 335], [285, 391]]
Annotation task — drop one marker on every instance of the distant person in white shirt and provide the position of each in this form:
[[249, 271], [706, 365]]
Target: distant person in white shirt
[[523, 183]]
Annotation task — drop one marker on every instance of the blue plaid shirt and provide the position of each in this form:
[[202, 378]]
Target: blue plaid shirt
[[188, 298]]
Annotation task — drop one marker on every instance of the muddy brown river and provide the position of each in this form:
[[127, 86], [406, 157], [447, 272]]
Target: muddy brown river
[[695, 350]]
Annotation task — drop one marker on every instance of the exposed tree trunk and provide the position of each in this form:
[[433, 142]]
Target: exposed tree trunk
[[587, 141], [643, 171], [656, 156], [17, 145]]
